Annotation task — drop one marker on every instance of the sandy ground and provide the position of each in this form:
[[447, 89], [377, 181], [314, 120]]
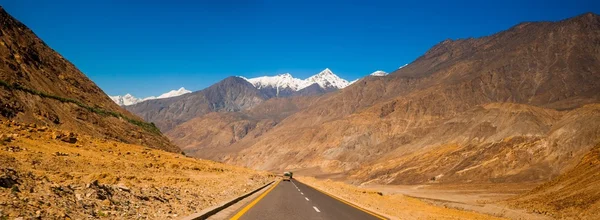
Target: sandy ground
[[52, 174], [482, 198]]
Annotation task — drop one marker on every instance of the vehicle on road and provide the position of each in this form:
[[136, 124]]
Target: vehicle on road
[[287, 176]]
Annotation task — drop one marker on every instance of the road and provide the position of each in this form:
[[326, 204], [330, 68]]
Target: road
[[293, 200]]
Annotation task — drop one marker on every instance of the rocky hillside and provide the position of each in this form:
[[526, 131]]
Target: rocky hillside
[[218, 134], [229, 95], [45, 176], [38, 85], [573, 194], [520, 105]]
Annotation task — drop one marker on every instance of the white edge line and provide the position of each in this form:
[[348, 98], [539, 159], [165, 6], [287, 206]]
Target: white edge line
[[316, 209]]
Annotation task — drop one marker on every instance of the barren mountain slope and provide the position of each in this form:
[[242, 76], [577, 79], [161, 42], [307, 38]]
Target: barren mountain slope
[[232, 94], [37, 85], [575, 193], [497, 143], [546, 67], [218, 134]]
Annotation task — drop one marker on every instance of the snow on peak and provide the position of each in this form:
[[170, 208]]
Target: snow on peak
[[129, 99], [325, 79], [174, 93], [379, 73], [326, 71], [283, 81]]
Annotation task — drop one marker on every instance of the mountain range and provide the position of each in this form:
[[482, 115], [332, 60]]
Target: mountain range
[[517, 106], [234, 94], [129, 99], [279, 85], [284, 85]]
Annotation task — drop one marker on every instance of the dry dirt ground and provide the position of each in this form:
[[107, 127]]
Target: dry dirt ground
[[483, 198], [52, 174], [394, 205]]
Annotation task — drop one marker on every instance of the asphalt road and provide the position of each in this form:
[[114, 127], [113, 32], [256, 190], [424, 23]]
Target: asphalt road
[[295, 200]]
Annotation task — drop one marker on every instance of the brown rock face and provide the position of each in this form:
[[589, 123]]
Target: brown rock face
[[219, 134], [520, 105], [40, 86], [573, 194], [232, 94]]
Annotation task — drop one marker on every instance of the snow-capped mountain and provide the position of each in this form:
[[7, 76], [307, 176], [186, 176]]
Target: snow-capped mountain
[[174, 93], [376, 73], [379, 73], [283, 81], [129, 99], [325, 79]]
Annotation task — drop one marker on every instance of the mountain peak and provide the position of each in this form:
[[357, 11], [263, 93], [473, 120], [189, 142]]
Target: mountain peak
[[328, 80], [586, 18], [378, 73], [285, 75], [174, 93], [283, 81], [326, 71], [129, 99]]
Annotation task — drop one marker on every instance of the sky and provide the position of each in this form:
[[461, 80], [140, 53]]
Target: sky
[[148, 47]]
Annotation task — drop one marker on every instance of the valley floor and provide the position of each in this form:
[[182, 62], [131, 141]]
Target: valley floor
[[53, 174]]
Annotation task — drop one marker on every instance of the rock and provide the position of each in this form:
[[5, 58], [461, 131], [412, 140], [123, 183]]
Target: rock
[[9, 178], [69, 138], [7, 137], [122, 187], [57, 135], [13, 149], [106, 202], [60, 154]]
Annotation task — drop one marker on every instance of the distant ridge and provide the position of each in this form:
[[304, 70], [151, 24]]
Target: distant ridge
[[129, 99]]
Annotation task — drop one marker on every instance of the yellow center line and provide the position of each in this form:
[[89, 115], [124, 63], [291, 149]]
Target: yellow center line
[[249, 206], [348, 203]]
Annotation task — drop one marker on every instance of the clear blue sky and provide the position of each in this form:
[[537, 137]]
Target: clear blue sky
[[149, 47]]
